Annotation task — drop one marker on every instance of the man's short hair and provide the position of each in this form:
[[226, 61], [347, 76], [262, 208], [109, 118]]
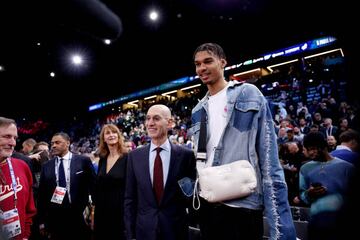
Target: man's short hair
[[6, 121], [63, 135], [290, 130], [349, 135], [41, 143], [314, 126], [315, 140], [30, 142], [212, 48]]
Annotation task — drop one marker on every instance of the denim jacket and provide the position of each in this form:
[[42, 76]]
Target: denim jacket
[[249, 134]]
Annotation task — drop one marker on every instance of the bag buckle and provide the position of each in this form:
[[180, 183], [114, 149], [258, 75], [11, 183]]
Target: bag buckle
[[201, 156]]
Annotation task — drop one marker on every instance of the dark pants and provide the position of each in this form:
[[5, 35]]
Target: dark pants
[[68, 223], [218, 221], [323, 226]]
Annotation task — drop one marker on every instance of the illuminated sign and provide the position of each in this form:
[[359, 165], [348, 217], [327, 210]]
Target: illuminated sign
[[306, 46], [146, 92]]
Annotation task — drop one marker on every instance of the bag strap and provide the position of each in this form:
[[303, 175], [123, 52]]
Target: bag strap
[[196, 196], [200, 156], [201, 151]]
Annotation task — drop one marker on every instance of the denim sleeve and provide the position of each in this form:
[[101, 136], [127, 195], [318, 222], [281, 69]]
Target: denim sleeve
[[277, 209], [303, 186]]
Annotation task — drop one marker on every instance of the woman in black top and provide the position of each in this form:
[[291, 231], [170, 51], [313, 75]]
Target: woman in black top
[[110, 187]]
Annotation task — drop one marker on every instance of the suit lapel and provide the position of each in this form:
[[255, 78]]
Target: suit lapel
[[52, 170], [173, 168], [73, 163], [144, 167]]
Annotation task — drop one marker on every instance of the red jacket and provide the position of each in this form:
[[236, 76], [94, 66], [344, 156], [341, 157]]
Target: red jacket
[[25, 199]]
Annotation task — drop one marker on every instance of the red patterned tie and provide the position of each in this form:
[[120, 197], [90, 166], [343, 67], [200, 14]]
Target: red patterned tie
[[158, 176]]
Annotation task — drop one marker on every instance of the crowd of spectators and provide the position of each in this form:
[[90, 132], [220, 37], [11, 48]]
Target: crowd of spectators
[[302, 100]]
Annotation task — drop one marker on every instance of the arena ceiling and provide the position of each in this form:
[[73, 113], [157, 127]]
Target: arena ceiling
[[38, 37]]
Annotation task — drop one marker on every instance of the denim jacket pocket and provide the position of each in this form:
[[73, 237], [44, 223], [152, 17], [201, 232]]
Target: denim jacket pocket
[[247, 106], [244, 114]]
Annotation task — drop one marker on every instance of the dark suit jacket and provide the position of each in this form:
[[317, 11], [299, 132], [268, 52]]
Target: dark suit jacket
[[334, 131], [144, 218], [58, 217]]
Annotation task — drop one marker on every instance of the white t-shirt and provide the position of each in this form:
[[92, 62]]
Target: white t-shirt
[[217, 120]]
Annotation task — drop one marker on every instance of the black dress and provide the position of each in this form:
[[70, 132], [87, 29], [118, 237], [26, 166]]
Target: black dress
[[109, 200]]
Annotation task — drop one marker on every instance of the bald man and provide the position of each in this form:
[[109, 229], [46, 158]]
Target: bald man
[[156, 208]]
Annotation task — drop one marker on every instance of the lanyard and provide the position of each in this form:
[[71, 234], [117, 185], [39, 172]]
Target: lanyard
[[328, 131], [57, 163], [13, 180]]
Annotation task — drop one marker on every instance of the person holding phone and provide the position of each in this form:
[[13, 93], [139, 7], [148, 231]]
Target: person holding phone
[[323, 184]]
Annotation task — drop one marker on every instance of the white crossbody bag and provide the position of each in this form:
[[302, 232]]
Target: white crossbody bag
[[224, 182]]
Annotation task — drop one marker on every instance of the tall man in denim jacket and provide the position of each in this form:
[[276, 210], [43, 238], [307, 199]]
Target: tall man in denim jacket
[[239, 126]]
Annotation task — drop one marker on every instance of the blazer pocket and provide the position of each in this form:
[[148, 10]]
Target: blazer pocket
[[79, 172]]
